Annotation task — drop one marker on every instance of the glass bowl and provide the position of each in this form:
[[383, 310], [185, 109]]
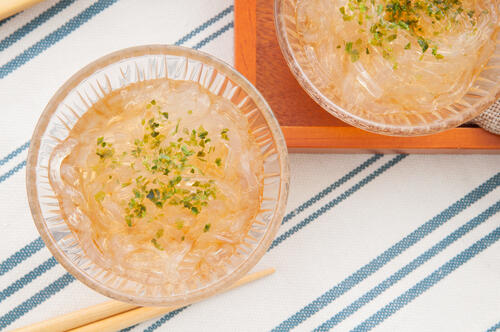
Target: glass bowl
[[120, 69], [482, 94]]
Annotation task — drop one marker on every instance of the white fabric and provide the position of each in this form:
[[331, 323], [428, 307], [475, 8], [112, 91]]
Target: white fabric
[[311, 261]]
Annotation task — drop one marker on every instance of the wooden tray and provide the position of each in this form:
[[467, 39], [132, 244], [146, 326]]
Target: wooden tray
[[306, 126]]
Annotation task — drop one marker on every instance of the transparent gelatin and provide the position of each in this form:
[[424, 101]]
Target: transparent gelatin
[[394, 67], [388, 57], [157, 175], [161, 182]]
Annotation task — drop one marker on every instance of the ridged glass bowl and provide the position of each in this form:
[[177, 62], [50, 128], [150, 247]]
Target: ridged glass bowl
[[483, 93], [120, 69]]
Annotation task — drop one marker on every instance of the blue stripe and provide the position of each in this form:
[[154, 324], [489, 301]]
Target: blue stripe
[[407, 269], [53, 288], [164, 319], [213, 36], [364, 181], [27, 278], [38, 243], [75, 23], [377, 263], [182, 40], [205, 25], [14, 153], [429, 281], [494, 328], [35, 300], [55, 36], [331, 187], [12, 171], [34, 23], [337, 200], [202, 43], [332, 203], [5, 20], [21, 255]]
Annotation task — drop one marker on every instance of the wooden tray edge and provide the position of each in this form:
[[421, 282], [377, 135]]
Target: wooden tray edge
[[350, 139], [354, 140], [245, 38]]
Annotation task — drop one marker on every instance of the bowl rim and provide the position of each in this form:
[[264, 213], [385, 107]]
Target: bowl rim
[[328, 105], [166, 50]]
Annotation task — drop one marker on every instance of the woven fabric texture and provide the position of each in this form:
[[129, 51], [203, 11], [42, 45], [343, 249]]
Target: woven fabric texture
[[490, 119]]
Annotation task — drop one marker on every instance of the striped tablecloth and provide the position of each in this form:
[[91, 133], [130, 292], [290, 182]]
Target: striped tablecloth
[[383, 242]]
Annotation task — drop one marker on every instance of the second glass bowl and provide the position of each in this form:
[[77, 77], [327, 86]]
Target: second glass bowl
[[482, 94]]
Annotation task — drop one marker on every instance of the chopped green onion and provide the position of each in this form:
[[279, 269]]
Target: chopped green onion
[[99, 196]]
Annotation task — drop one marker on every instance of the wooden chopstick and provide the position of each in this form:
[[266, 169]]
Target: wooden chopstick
[[139, 315], [125, 319], [80, 317], [115, 315], [11, 7]]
